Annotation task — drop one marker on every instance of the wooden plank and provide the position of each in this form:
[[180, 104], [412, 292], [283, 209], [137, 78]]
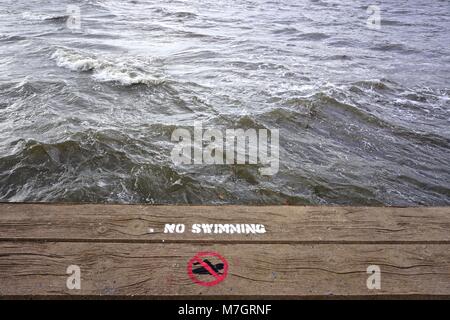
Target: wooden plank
[[283, 270], [284, 224], [306, 251]]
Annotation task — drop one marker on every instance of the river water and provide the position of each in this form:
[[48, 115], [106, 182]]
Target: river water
[[88, 105]]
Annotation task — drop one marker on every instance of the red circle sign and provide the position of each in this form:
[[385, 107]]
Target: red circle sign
[[206, 268]]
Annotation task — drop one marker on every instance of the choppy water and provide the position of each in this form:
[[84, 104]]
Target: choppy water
[[87, 115]]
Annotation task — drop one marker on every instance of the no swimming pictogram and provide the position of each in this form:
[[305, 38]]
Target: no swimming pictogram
[[207, 269]]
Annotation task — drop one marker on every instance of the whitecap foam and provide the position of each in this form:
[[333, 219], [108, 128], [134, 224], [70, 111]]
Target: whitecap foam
[[32, 16], [74, 61], [125, 71], [124, 76]]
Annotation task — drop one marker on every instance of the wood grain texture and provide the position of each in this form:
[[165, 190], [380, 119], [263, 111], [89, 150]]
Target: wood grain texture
[[255, 270], [284, 224], [306, 252]]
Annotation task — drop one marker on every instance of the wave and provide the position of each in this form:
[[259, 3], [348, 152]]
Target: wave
[[323, 105], [286, 31], [8, 38], [128, 72], [94, 167], [27, 87], [381, 84], [181, 14], [62, 18], [313, 36], [386, 22], [33, 16], [394, 47], [342, 57]]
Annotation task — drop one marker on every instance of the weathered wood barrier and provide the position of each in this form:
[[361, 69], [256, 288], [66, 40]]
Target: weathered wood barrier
[[223, 251]]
